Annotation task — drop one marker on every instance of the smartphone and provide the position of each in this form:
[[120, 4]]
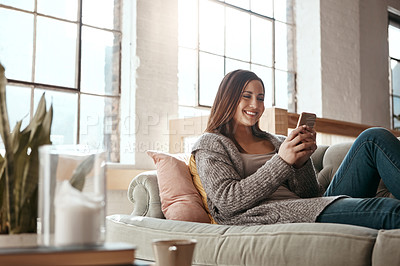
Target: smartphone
[[307, 119]]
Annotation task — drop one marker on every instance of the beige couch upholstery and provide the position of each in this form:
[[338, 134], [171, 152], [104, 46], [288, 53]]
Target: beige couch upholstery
[[280, 244]]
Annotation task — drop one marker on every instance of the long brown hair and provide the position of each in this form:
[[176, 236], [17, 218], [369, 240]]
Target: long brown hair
[[226, 101]]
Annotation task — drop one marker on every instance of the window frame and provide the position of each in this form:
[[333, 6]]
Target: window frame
[[393, 20], [273, 68], [110, 140]]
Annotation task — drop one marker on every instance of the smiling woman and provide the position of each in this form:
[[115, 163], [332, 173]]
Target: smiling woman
[[254, 177], [251, 104], [227, 100]]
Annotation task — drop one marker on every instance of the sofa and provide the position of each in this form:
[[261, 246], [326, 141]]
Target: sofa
[[278, 244]]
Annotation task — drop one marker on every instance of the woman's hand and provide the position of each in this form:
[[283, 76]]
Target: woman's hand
[[298, 146]]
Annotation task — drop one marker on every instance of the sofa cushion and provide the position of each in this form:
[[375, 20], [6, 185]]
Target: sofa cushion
[[179, 198], [199, 186], [331, 160], [335, 154], [317, 157], [279, 244], [386, 251]]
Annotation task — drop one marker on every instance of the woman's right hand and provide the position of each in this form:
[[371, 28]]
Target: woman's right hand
[[298, 146]]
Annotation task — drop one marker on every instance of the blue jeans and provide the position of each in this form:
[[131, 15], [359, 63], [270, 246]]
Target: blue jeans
[[374, 155]]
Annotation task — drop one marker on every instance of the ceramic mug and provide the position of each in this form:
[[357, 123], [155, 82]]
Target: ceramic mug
[[175, 252]]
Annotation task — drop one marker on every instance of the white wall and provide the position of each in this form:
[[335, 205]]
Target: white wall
[[308, 52], [340, 60], [374, 67], [350, 72]]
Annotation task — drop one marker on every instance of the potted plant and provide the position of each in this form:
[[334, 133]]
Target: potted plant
[[19, 167]]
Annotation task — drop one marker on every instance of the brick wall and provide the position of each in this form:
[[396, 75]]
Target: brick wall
[[156, 76]]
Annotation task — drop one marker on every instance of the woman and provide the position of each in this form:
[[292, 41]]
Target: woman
[[253, 177]]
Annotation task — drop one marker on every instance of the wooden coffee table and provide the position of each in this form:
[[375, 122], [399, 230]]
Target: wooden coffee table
[[107, 254]]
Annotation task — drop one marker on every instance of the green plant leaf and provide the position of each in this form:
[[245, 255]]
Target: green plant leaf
[[19, 169], [79, 175], [37, 118], [38, 135], [9, 199], [4, 121], [3, 209], [16, 138]]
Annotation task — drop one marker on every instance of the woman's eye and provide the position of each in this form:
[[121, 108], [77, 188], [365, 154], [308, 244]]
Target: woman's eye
[[261, 99], [247, 96]]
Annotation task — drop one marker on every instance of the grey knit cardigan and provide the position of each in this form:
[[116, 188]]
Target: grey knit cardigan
[[237, 199]]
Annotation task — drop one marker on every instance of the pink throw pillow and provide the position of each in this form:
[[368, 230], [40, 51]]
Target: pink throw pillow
[[179, 198]]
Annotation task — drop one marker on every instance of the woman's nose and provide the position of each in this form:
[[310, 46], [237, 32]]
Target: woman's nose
[[253, 103]]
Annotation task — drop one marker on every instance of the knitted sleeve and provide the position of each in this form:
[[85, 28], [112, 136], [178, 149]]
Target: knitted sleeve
[[305, 183], [230, 192]]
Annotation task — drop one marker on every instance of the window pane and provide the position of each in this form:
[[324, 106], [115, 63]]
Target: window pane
[[395, 77], [101, 13], [240, 3], [99, 123], [394, 41], [92, 120], [187, 23], [396, 110], [284, 90], [211, 74], [64, 126], [100, 61], [261, 41], [22, 4], [211, 30], [283, 10], [187, 76], [232, 65], [185, 112], [234, 38], [16, 50], [265, 74], [55, 52], [18, 105], [263, 7], [67, 9], [237, 34], [283, 46]]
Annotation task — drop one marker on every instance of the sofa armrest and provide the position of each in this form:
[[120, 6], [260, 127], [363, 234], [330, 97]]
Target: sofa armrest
[[143, 192]]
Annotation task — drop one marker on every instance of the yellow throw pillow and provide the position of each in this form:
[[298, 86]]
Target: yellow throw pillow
[[199, 186]]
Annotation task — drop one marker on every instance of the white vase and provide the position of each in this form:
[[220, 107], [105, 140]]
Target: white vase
[[18, 240]]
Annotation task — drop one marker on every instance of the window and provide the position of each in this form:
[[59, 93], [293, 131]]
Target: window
[[216, 37], [394, 57], [70, 50]]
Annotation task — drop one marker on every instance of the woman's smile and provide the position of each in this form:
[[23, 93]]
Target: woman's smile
[[251, 113]]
